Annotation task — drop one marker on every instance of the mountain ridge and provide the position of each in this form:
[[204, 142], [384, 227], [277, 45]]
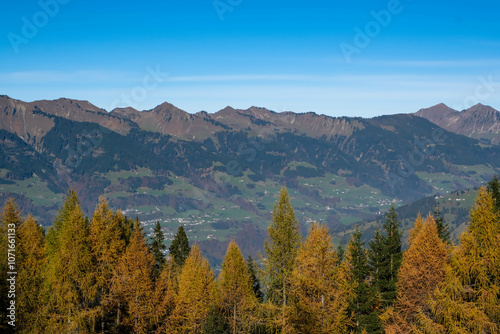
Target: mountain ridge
[[479, 121]]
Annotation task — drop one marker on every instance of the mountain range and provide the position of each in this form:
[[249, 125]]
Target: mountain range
[[219, 173]]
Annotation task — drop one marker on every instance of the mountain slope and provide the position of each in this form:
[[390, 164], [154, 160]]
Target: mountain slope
[[479, 121]]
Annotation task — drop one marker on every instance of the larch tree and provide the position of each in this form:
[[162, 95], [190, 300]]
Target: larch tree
[[179, 249], [422, 270], [237, 297], [477, 260], [281, 247], [157, 248], [321, 287], [364, 306], [107, 247], [69, 274], [281, 250], [469, 300], [196, 294], [10, 221], [132, 285], [30, 276], [164, 298]]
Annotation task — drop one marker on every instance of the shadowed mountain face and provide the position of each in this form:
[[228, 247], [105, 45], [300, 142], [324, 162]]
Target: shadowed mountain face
[[219, 174], [480, 121]]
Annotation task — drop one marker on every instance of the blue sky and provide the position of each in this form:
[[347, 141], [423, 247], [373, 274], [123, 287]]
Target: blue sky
[[282, 55]]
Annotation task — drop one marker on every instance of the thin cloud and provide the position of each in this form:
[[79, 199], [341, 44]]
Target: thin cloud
[[84, 76], [247, 77], [435, 63]]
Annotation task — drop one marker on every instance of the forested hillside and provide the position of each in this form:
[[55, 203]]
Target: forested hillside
[[101, 274]]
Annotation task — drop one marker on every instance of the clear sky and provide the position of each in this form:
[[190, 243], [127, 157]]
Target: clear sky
[[353, 58]]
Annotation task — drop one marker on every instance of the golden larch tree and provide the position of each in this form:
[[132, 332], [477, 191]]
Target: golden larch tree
[[69, 276], [423, 268], [469, 300], [196, 294], [321, 286], [281, 250], [30, 276], [165, 295], [10, 220], [107, 247], [132, 285], [237, 298]]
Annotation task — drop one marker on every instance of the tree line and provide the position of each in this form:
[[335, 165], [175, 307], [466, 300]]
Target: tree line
[[102, 275]]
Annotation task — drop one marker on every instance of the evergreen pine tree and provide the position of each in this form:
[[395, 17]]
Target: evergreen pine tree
[[442, 228], [157, 247], [391, 258], [364, 305], [180, 250], [340, 252], [494, 189], [126, 226], [254, 280], [216, 323], [375, 259]]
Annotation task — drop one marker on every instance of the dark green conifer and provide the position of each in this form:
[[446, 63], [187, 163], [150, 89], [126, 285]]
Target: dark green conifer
[[392, 257], [157, 247], [216, 323], [375, 258], [364, 305], [340, 252], [442, 228], [179, 250], [252, 269], [385, 258], [494, 189]]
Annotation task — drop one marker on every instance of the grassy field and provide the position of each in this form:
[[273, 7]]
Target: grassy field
[[324, 199], [33, 189]]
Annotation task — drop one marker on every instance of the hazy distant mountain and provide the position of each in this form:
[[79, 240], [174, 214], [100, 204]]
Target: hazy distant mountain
[[220, 173], [479, 121]]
